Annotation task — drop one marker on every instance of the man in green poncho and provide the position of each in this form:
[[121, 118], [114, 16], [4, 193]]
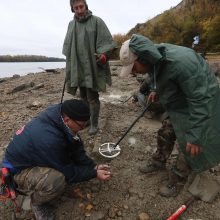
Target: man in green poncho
[[189, 92], [87, 47]]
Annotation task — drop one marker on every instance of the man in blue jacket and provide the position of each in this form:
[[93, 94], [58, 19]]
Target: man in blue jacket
[[47, 153]]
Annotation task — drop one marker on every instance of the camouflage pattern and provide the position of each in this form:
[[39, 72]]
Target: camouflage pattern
[[165, 141], [42, 184]]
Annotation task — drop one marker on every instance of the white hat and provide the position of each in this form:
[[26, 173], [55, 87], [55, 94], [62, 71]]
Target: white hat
[[127, 59]]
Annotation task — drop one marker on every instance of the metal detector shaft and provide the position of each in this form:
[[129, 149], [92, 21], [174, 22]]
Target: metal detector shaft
[[146, 108], [61, 100], [128, 99]]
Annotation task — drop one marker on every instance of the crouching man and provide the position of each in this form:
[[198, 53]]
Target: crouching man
[[47, 153]]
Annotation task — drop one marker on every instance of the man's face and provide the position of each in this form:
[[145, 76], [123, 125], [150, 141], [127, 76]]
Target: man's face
[[74, 126], [140, 68], [79, 8]]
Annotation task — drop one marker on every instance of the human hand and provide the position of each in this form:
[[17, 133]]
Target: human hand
[[193, 149], [101, 59], [102, 167], [152, 97], [103, 174]]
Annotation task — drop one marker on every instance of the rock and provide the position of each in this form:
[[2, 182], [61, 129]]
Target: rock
[[126, 207], [143, 216], [119, 213], [112, 212], [132, 191], [97, 215], [2, 80], [22, 87], [35, 104], [41, 85], [15, 76], [18, 88]]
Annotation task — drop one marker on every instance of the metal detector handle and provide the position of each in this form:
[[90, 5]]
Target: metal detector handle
[[181, 209], [146, 108]]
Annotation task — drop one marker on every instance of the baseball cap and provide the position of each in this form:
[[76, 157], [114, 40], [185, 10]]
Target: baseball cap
[[127, 58]]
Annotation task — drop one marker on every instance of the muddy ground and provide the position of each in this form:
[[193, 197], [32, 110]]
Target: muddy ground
[[129, 195]]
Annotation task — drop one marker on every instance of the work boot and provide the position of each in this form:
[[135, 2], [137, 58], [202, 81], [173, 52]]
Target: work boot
[[152, 167], [172, 187], [43, 212], [169, 190], [94, 117]]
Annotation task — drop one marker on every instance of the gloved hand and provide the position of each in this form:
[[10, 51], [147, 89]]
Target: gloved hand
[[101, 59]]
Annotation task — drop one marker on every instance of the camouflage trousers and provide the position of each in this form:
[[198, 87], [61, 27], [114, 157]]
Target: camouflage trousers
[[42, 184], [165, 143]]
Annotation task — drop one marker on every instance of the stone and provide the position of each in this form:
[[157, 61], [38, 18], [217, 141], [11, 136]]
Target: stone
[[143, 216], [97, 215]]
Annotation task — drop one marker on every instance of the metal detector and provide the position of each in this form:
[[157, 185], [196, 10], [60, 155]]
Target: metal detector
[[64, 85], [111, 150]]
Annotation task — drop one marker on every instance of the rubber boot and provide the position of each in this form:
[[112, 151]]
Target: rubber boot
[[94, 117]]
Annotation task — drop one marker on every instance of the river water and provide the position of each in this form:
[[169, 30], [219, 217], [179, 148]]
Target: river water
[[8, 69]]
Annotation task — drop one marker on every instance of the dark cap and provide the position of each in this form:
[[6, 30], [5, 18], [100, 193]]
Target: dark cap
[[76, 109]]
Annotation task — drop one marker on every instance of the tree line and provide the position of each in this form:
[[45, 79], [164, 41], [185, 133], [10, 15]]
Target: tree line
[[29, 58]]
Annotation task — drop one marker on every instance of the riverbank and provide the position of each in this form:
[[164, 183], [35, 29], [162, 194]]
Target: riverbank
[[129, 195], [8, 69]]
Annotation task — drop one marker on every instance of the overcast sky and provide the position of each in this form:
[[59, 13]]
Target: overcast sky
[[38, 27]]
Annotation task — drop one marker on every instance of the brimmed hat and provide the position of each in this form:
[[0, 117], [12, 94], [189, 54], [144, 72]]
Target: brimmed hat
[[127, 58], [76, 109]]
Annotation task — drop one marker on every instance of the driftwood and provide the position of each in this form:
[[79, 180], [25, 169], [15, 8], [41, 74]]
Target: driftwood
[[21, 87], [49, 70]]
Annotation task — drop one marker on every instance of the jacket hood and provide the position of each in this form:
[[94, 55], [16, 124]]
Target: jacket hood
[[145, 49]]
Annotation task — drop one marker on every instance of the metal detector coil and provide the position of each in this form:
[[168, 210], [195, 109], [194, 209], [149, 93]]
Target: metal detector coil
[[109, 150]]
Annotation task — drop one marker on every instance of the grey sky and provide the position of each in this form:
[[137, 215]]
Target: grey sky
[[39, 27]]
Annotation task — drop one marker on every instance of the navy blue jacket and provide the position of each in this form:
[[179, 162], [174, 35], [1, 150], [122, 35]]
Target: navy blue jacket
[[47, 142]]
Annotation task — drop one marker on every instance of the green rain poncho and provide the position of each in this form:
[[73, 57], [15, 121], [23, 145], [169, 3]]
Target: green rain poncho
[[189, 91], [83, 40]]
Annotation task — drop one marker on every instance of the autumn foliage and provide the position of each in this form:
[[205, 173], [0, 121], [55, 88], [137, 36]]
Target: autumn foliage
[[180, 24]]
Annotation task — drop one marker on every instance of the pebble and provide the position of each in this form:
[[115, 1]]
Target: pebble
[[97, 215], [125, 207], [143, 216]]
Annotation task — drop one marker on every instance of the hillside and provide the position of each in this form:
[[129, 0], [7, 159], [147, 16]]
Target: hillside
[[180, 24]]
